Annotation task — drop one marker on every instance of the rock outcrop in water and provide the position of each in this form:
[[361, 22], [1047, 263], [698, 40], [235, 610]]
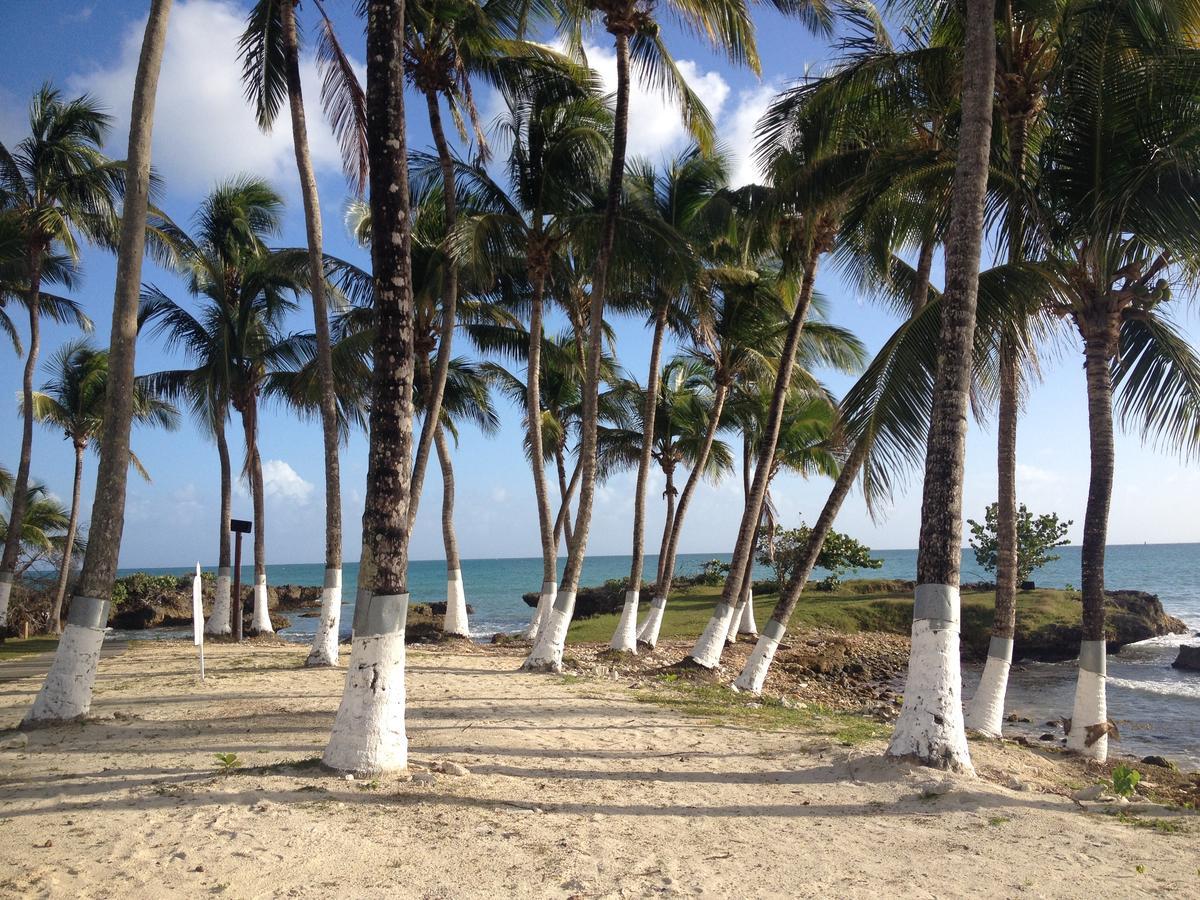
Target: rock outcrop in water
[[1188, 659]]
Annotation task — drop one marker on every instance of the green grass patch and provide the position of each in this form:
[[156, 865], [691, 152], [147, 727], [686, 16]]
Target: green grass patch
[[15, 648], [720, 705], [1162, 826]]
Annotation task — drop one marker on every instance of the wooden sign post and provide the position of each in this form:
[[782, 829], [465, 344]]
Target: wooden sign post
[[238, 527]]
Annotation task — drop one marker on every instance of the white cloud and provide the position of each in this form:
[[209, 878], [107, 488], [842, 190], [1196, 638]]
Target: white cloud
[[500, 494], [1033, 477], [82, 14], [281, 481], [204, 130], [738, 134]]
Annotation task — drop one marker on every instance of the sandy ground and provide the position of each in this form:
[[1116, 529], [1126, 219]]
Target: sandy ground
[[575, 789]]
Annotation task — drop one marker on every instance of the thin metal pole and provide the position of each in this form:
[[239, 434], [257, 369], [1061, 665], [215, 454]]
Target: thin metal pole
[[237, 587]]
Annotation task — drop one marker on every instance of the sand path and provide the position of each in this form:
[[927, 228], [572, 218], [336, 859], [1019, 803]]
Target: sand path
[[576, 789]]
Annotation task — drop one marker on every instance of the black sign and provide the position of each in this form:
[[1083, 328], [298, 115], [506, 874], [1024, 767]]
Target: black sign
[[241, 526]]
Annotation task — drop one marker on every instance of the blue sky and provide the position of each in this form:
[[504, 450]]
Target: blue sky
[[204, 133]]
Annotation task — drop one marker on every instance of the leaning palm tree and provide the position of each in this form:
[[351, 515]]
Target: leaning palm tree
[[43, 533], [57, 187], [73, 402], [67, 692], [270, 51], [368, 731]]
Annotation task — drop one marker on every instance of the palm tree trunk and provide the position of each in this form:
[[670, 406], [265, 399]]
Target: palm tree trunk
[[653, 621], [930, 728], [566, 490], [650, 631], [368, 732], [20, 497], [754, 672], [547, 652], [625, 638], [64, 571], [1088, 734], [708, 647], [324, 646], [455, 620], [261, 621], [218, 620], [743, 612], [533, 424], [986, 711], [437, 387], [67, 691]]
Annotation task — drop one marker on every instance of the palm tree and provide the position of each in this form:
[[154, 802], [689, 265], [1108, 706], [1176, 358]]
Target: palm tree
[[270, 51], [58, 187], [930, 728], [368, 732], [67, 691], [245, 291], [44, 530], [73, 402], [1111, 228]]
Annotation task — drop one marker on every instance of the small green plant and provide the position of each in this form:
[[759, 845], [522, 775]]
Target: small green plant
[[996, 821], [1140, 869], [227, 762], [1124, 781], [372, 785]]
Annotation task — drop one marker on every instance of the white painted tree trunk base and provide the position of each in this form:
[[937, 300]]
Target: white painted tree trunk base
[[261, 623], [547, 653], [542, 612], [754, 672], [455, 621], [731, 631], [1091, 705], [648, 633], [218, 619], [985, 714], [746, 624], [368, 733], [66, 693], [624, 639], [6, 581], [324, 651], [930, 730], [709, 646]]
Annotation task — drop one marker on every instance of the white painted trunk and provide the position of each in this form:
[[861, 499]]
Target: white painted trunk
[[541, 613], [985, 714], [324, 650], [5, 595], [218, 619], [1091, 702], [66, 693], [746, 624], [708, 647], [648, 633], [624, 639], [732, 630], [547, 653], [930, 729], [261, 623], [455, 621], [754, 673], [368, 733]]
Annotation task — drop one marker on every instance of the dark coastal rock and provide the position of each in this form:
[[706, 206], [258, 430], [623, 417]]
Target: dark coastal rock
[[438, 607], [1188, 659], [1161, 761], [592, 601]]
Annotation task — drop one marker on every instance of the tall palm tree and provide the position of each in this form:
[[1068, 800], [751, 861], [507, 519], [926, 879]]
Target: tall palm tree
[[43, 531], [57, 187], [270, 51], [73, 402], [67, 691], [246, 290], [368, 732], [930, 728]]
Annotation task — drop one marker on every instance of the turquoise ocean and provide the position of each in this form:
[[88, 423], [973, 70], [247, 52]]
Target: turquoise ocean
[[1157, 708]]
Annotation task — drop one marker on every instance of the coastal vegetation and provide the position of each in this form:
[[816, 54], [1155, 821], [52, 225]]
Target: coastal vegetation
[[1060, 136]]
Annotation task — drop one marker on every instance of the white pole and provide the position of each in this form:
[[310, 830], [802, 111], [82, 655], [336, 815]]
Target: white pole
[[198, 619]]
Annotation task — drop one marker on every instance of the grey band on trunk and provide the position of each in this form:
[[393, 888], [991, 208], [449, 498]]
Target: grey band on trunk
[[362, 602], [1001, 648], [6, 577], [774, 631], [658, 602], [935, 603], [386, 614], [549, 587], [224, 571], [333, 578], [1093, 656], [723, 609], [564, 601], [88, 612]]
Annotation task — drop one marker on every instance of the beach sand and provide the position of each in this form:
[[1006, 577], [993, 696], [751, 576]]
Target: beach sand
[[576, 788]]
